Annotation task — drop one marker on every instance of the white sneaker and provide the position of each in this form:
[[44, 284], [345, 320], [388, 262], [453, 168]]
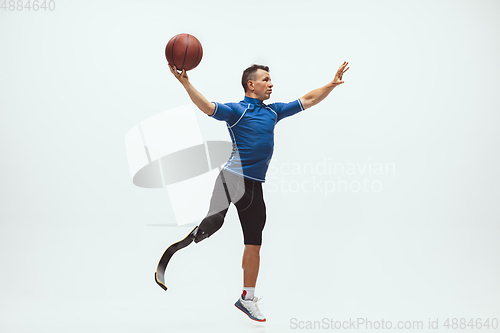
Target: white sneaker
[[250, 308]]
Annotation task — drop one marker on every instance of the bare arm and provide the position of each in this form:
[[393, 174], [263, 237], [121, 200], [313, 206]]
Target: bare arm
[[314, 97], [198, 99]]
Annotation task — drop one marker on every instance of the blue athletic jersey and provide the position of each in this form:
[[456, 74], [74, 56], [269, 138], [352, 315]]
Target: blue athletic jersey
[[251, 127]]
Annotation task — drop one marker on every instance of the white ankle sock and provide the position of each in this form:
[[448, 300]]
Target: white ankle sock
[[248, 292]]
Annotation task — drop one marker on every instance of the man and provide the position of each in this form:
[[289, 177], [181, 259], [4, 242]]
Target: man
[[251, 127]]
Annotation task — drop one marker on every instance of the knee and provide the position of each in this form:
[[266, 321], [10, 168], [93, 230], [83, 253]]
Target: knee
[[212, 222], [252, 250], [209, 226]]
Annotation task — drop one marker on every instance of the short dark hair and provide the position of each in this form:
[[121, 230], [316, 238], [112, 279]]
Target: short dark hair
[[249, 74]]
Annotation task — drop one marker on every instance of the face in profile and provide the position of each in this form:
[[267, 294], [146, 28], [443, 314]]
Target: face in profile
[[261, 87]]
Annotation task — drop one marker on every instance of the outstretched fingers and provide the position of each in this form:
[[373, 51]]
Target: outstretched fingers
[[342, 70]]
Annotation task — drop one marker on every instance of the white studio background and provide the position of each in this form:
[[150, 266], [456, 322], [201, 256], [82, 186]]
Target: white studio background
[[417, 118]]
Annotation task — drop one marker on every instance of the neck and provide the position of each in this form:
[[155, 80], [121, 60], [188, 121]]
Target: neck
[[252, 95]]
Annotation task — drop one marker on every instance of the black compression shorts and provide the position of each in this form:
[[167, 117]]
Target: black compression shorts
[[247, 196]]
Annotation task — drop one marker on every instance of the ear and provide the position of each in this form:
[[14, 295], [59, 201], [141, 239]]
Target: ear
[[250, 85]]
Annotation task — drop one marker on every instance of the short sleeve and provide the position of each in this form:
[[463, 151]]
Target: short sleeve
[[284, 110], [222, 112]]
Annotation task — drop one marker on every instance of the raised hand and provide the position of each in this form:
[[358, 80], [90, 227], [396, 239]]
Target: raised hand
[[337, 80], [182, 76]]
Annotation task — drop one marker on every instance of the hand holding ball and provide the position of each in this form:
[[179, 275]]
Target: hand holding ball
[[184, 51]]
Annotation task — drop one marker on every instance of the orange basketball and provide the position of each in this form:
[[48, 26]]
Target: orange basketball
[[184, 51]]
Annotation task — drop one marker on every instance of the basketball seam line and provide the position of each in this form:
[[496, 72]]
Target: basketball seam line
[[185, 52]]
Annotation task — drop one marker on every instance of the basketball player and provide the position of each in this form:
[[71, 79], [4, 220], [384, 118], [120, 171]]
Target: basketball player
[[251, 127]]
